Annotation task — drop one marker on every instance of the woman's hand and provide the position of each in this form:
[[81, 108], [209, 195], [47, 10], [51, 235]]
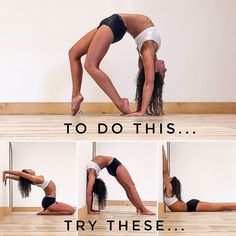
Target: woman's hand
[[4, 177], [94, 211], [137, 113]]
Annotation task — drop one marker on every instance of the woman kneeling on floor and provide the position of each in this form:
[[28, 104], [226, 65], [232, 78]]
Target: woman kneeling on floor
[[26, 178]]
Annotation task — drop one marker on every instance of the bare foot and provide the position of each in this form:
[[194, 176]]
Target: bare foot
[[124, 108], [147, 212], [41, 212], [94, 212], [45, 212], [75, 104]]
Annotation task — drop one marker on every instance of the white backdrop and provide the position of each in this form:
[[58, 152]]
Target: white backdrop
[[198, 45], [57, 160], [4, 165], [140, 159], [206, 170]]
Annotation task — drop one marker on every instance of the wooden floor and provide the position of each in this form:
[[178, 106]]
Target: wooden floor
[[199, 224], [194, 224], [117, 213], [30, 224], [192, 127]]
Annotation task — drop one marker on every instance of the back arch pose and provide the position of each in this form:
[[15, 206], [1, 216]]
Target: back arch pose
[[173, 200], [96, 187], [96, 43], [26, 178]]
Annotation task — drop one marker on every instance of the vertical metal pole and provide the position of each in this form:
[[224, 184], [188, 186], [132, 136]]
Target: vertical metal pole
[[94, 149], [10, 168]]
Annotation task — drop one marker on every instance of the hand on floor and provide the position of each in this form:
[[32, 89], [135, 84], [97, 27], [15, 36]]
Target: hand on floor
[[138, 113], [94, 212]]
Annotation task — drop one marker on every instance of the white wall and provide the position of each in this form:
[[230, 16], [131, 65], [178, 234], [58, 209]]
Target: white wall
[[198, 45], [140, 159], [57, 160], [206, 170], [4, 165], [84, 154]]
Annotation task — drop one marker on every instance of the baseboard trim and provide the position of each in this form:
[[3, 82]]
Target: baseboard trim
[[27, 209], [5, 211], [82, 213], [63, 108], [200, 108]]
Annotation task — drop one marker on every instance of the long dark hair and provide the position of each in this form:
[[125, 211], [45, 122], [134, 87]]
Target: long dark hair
[[155, 107], [24, 186], [100, 193], [176, 188]]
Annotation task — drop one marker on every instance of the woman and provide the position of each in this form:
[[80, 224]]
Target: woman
[[26, 178], [96, 44], [97, 187], [172, 196]]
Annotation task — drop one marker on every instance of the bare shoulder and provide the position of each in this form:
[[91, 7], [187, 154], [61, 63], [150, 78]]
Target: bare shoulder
[[91, 174], [38, 179], [149, 47], [100, 157], [129, 15]]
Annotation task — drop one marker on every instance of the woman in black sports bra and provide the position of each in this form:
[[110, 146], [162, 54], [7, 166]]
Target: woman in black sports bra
[[96, 187], [172, 196], [151, 70], [26, 178]]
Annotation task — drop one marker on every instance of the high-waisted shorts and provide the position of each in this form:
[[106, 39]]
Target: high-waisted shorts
[[117, 26], [192, 205], [112, 168], [48, 201]]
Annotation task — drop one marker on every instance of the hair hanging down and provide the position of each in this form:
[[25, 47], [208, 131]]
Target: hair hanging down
[[155, 107], [24, 186], [176, 187], [100, 192]]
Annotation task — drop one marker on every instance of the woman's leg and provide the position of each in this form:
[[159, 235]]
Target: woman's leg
[[75, 54], [97, 50], [212, 207], [58, 208], [125, 180]]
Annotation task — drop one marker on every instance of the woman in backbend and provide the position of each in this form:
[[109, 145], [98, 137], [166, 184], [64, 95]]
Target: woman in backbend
[[172, 196], [97, 187], [151, 70], [26, 178]]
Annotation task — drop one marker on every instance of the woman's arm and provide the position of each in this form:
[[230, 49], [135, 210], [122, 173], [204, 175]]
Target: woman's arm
[[21, 174], [148, 65], [89, 193], [166, 175], [165, 162], [11, 177], [5, 177], [140, 63]]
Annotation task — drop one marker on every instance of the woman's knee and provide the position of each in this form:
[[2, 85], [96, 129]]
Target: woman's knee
[[90, 67], [71, 211], [75, 53]]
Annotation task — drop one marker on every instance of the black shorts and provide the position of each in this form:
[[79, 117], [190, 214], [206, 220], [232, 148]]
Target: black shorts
[[48, 201], [117, 26], [192, 205], [113, 167]]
